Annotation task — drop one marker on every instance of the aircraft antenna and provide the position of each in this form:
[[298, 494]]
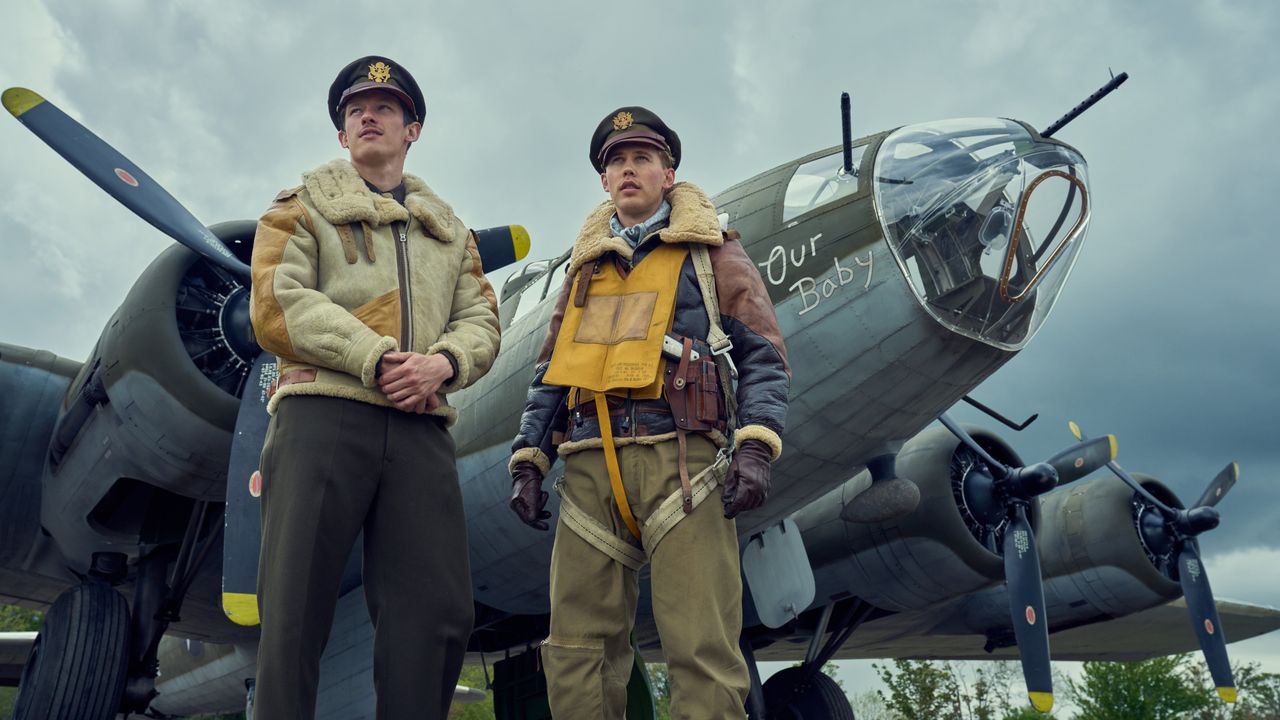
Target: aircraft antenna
[[848, 135], [1115, 82]]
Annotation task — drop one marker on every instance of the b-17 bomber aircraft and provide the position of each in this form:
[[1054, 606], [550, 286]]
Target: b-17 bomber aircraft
[[905, 267]]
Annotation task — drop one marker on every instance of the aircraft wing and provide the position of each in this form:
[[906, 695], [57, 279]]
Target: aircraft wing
[[1158, 631], [14, 648]]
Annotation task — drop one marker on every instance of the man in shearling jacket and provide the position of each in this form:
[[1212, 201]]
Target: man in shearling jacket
[[370, 292], [628, 389]]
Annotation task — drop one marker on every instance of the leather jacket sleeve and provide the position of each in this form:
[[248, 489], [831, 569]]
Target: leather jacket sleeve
[[748, 318], [544, 408]]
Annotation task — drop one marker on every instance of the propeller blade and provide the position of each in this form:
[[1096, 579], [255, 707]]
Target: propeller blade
[[118, 176], [1083, 458], [1204, 618], [1026, 608], [243, 512], [973, 445], [500, 246], [1120, 472], [1220, 486]]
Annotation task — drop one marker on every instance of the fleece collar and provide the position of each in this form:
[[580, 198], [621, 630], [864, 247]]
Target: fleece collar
[[693, 220], [341, 196]]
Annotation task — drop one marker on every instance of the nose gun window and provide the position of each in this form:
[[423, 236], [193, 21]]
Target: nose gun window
[[985, 220], [820, 182]]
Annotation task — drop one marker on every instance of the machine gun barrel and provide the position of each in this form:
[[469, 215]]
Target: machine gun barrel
[[1089, 102]]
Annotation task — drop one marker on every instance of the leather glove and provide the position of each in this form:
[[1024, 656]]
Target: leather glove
[[746, 485], [527, 496]]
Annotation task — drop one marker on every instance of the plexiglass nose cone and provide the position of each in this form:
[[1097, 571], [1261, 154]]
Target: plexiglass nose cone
[[985, 219]]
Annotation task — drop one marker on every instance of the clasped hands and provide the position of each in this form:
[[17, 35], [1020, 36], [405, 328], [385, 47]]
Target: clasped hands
[[410, 380]]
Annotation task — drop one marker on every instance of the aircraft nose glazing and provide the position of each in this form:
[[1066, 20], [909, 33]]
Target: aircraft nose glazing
[[985, 219]]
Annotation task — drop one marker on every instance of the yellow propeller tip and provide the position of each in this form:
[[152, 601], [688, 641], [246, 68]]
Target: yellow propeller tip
[[1041, 701], [241, 608], [1235, 467], [1115, 446], [1075, 429], [520, 241], [1228, 694], [18, 100]]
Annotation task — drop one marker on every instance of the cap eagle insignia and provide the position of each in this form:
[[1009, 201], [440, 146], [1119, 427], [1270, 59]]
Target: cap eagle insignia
[[379, 72], [622, 121]]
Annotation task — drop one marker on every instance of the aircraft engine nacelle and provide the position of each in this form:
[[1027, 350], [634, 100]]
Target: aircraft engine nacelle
[[933, 554], [1096, 554], [1096, 561], [147, 425]]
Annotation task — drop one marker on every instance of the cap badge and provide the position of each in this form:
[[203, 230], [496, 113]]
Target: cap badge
[[379, 72], [622, 121]]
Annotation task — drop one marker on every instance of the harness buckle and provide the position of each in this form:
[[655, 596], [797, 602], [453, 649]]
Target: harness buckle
[[723, 350]]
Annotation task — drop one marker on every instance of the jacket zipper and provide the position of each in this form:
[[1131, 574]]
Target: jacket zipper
[[406, 289]]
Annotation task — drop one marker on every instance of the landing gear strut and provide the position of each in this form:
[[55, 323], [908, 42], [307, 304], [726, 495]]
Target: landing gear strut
[[805, 692], [157, 601]]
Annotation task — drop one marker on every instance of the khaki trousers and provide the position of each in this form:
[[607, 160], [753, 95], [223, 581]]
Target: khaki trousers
[[332, 468], [696, 585]]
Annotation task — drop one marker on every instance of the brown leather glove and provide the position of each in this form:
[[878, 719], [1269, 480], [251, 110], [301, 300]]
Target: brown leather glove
[[746, 485], [527, 496]]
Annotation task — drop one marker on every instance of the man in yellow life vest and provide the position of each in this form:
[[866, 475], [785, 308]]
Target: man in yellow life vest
[[634, 387]]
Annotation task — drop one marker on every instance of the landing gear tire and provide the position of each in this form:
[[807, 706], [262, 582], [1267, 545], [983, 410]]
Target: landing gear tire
[[798, 694], [79, 662]]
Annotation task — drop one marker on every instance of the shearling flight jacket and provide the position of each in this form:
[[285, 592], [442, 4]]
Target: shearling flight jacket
[[327, 286], [746, 314]]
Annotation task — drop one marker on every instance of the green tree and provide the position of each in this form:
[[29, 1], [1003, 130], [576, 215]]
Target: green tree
[[868, 705], [954, 691], [19, 619], [985, 695], [1259, 695], [15, 619], [1156, 689], [921, 690]]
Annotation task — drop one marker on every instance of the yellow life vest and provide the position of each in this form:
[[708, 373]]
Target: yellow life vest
[[612, 342]]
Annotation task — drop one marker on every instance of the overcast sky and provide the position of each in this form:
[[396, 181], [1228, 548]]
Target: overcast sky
[[1165, 333]]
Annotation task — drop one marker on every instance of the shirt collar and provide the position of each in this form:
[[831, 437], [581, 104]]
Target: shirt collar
[[640, 231], [396, 193]]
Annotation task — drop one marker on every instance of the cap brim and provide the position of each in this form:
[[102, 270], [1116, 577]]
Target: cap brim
[[642, 136], [367, 86]]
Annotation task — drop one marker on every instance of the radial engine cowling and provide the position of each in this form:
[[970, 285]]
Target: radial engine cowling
[[1097, 560], [1097, 551], [155, 406], [938, 552]]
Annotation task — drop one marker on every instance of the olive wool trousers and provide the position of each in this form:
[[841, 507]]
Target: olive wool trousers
[[696, 590], [332, 468]]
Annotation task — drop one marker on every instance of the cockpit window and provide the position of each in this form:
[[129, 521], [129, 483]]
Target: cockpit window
[[985, 220], [819, 182], [522, 291]]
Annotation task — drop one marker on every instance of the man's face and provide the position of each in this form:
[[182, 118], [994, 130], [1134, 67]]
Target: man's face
[[636, 180], [374, 129]]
